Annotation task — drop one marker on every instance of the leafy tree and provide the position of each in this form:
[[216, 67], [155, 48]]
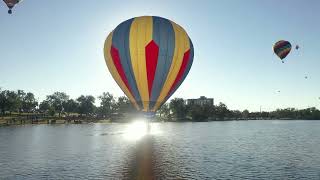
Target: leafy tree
[[124, 105], [20, 97], [265, 114], [164, 111], [235, 114], [29, 103], [45, 107], [86, 104], [195, 111], [245, 114], [107, 104], [221, 111], [2, 101], [9, 101], [178, 108], [200, 112], [309, 113], [71, 106], [56, 101]]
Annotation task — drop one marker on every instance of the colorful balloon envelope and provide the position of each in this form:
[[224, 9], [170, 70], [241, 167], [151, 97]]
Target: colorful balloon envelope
[[149, 57], [11, 4], [282, 48]]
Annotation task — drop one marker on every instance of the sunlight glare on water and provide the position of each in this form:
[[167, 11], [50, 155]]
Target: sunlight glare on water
[[136, 130], [139, 128], [155, 129]]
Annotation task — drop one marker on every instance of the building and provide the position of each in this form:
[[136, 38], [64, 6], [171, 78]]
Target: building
[[200, 101]]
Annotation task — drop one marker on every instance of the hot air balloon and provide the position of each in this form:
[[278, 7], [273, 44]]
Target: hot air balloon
[[11, 4], [282, 48], [297, 47], [149, 57]]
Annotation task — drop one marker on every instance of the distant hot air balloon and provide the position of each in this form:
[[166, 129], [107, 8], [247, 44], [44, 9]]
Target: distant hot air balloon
[[11, 4], [149, 57], [282, 48], [297, 47]]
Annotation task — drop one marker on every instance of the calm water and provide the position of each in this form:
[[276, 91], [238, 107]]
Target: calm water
[[213, 150]]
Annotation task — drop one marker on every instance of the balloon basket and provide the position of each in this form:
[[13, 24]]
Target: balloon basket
[[149, 115]]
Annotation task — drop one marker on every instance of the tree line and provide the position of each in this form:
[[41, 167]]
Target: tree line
[[60, 104], [178, 110]]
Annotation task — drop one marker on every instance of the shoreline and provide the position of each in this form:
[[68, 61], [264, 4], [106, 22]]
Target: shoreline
[[108, 121]]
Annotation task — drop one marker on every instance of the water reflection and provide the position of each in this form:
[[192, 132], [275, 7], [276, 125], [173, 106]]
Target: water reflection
[[142, 156], [213, 150], [140, 165]]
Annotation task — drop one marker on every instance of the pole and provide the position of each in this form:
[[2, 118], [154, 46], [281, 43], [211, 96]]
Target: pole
[[260, 113]]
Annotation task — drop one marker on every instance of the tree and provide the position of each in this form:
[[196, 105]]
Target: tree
[[29, 102], [123, 105], [164, 111], [56, 101], [245, 114], [71, 106], [309, 113], [178, 108], [200, 112], [2, 101], [195, 111], [45, 107], [9, 101], [221, 111], [86, 104], [107, 104], [235, 114], [20, 96]]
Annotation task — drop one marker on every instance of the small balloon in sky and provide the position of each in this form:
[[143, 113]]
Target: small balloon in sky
[[11, 4], [282, 48]]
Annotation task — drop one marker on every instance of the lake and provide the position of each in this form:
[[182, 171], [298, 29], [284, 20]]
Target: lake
[[209, 150]]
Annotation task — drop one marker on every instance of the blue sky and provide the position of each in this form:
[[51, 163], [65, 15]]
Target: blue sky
[[48, 46]]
